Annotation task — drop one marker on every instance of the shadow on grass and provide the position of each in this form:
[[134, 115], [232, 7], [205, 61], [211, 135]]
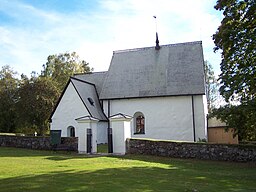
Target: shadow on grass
[[54, 155], [208, 164], [65, 155], [21, 152], [140, 173], [130, 179]]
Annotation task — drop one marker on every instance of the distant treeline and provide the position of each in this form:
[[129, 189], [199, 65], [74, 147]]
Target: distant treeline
[[27, 102]]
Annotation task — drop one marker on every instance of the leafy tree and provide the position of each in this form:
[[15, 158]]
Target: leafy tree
[[60, 67], [8, 99], [236, 37], [28, 102], [37, 97], [240, 117], [211, 85]]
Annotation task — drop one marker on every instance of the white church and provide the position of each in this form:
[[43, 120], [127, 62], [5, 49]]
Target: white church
[[152, 92]]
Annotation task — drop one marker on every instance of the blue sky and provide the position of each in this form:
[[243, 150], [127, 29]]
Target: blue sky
[[31, 30]]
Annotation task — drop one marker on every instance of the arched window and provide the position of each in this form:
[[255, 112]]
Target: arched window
[[71, 131], [139, 123]]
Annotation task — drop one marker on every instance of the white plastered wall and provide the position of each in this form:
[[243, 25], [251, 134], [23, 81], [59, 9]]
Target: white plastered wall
[[121, 131], [102, 134], [83, 125], [70, 107], [200, 106], [167, 118]]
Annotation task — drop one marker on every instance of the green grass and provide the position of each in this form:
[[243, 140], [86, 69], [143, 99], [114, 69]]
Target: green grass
[[29, 170], [102, 148]]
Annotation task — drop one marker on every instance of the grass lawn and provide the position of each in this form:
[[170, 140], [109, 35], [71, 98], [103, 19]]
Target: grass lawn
[[102, 148], [29, 170]]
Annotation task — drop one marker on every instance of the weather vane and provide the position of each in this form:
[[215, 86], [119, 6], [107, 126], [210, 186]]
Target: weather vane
[[155, 22], [157, 47]]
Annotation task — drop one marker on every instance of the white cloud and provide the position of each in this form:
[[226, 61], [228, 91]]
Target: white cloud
[[177, 21], [95, 34]]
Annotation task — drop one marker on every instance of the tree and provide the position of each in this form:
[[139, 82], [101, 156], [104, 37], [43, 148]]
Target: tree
[[236, 37], [211, 85], [26, 104], [37, 97], [60, 67], [8, 99], [240, 117]]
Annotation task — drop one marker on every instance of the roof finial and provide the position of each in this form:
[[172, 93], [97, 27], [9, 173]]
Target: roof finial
[[157, 47]]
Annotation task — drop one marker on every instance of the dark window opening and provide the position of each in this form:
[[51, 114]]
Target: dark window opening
[[91, 101], [72, 132], [140, 125]]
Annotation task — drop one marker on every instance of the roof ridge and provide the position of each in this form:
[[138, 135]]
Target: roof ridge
[[153, 47], [83, 81], [88, 73]]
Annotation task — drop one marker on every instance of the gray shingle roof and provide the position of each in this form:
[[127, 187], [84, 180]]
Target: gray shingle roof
[[85, 91], [96, 78], [175, 69]]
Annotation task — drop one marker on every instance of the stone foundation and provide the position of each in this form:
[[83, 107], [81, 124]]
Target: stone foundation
[[42, 143], [220, 152]]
